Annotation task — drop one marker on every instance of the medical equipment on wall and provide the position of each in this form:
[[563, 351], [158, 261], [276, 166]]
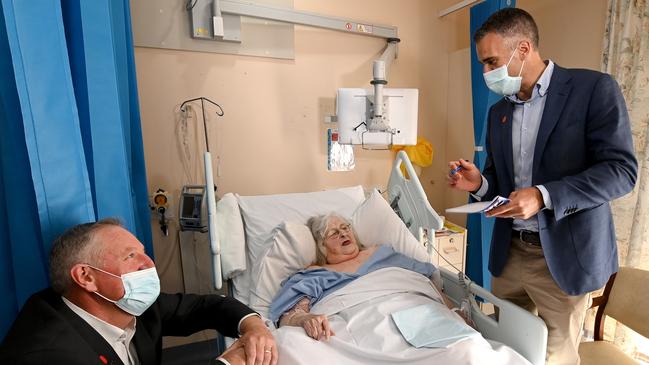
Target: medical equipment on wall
[[160, 205], [359, 121], [209, 191], [381, 123], [340, 157], [191, 212]]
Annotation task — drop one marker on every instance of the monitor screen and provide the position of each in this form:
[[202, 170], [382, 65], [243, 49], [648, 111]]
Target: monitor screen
[[188, 206], [353, 108]]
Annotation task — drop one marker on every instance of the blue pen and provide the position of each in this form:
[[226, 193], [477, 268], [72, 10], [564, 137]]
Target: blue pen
[[457, 169]]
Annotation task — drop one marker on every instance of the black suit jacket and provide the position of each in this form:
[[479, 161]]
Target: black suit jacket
[[47, 331], [584, 157]]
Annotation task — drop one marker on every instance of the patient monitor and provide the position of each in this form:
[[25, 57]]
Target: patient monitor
[[192, 209], [355, 111]]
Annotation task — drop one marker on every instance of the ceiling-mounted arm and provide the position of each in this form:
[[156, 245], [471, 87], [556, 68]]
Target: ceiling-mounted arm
[[220, 9], [291, 16], [377, 123], [380, 67]]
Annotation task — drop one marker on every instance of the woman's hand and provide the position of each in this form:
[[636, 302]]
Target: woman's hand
[[466, 319], [235, 354], [315, 325]]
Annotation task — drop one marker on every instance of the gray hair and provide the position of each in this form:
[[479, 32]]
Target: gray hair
[[76, 245], [511, 24], [318, 226]]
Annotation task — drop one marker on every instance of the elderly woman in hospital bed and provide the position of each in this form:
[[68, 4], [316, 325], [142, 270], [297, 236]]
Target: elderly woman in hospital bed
[[340, 258], [372, 303]]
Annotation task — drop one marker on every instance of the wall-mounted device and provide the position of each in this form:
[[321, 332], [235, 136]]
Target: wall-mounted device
[[356, 110], [192, 217], [160, 204]]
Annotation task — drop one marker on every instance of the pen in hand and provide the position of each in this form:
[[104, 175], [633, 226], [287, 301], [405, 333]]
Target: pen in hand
[[457, 169]]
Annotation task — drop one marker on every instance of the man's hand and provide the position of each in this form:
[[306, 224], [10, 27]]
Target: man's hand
[[523, 204], [258, 342], [316, 326], [463, 175]]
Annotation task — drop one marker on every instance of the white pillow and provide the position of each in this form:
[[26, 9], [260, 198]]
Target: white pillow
[[292, 248], [261, 214], [376, 223]]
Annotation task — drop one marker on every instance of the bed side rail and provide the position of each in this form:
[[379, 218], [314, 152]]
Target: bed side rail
[[516, 327], [408, 199]]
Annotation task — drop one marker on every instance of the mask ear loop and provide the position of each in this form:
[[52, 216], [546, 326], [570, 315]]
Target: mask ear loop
[[511, 57], [510, 61], [104, 271], [521, 71], [111, 274]]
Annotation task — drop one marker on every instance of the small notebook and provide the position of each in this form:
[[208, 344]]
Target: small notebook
[[479, 207]]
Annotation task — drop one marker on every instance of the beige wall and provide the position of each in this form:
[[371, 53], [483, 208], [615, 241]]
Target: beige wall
[[571, 32]]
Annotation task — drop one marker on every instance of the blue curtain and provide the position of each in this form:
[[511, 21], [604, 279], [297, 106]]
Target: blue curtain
[[479, 227], [70, 135]]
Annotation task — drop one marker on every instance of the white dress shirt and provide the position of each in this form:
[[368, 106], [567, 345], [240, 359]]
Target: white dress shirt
[[119, 339]]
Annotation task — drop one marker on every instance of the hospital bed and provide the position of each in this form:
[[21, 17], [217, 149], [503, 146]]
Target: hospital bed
[[255, 258]]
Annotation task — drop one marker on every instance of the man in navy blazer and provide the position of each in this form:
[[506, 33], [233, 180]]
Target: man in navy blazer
[[105, 308], [559, 146]]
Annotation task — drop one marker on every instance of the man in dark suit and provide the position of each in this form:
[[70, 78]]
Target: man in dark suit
[[559, 146], [105, 307]]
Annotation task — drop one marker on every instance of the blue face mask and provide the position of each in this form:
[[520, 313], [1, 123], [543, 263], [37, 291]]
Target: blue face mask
[[500, 82], [141, 289]]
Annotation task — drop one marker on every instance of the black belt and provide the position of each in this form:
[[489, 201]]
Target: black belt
[[529, 237]]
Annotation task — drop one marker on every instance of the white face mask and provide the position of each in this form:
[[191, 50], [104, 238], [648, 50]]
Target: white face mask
[[141, 289], [500, 82]]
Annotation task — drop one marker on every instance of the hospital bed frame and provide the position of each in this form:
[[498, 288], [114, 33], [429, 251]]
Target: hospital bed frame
[[514, 327]]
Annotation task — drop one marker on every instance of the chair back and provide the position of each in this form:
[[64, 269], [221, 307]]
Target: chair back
[[628, 301]]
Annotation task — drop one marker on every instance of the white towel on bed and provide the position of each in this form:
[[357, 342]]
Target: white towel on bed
[[430, 325], [230, 225]]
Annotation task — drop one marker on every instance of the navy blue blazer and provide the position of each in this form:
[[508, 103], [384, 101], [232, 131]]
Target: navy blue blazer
[[47, 331], [584, 157]]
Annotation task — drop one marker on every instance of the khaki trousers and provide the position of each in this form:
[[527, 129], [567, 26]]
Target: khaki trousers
[[526, 281]]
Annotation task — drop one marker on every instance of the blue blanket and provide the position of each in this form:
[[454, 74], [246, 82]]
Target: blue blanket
[[317, 283]]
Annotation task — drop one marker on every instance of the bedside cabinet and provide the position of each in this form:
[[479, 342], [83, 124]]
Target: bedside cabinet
[[450, 244]]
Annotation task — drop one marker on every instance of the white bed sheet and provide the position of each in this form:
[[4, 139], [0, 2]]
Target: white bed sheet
[[359, 314]]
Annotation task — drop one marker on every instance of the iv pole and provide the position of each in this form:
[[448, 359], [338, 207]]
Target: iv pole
[[215, 245]]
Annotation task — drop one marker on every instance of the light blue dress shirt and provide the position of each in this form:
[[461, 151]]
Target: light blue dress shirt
[[525, 127]]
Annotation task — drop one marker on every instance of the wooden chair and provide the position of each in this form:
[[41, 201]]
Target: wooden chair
[[626, 299]]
